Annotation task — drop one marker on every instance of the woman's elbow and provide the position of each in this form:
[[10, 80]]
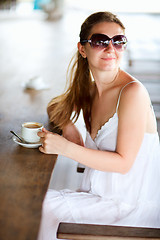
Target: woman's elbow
[[126, 168], [125, 171]]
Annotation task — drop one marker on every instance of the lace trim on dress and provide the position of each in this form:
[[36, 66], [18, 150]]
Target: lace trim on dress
[[115, 114], [106, 124]]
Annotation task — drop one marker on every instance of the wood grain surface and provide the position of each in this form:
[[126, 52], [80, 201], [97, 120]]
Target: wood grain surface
[[76, 231], [24, 173]]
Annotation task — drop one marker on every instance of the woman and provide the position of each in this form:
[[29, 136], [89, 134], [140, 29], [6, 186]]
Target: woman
[[121, 152]]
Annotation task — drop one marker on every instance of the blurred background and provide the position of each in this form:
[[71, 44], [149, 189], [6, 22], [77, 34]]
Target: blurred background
[[39, 37]]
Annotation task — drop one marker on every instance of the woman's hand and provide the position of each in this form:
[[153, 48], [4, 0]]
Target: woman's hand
[[52, 143]]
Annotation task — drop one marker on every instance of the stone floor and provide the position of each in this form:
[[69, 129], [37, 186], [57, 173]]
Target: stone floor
[[32, 46]]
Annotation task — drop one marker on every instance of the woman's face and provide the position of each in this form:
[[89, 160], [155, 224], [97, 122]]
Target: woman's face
[[106, 59]]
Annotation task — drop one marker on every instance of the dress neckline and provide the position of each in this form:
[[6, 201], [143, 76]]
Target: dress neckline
[[115, 114], [103, 126]]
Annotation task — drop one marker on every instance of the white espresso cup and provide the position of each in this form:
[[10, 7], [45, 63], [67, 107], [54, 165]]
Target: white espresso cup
[[29, 131]]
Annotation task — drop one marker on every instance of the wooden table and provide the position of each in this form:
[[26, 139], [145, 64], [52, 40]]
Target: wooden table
[[24, 173]]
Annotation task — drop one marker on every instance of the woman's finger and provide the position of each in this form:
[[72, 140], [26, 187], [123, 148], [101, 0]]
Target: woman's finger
[[42, 141], [41, 134], [41, 149], [45, 130]]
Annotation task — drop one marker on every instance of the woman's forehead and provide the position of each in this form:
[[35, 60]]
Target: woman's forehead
[[109, 28]]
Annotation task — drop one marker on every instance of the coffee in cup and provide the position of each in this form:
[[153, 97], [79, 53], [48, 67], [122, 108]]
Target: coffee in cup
[[29, 131]]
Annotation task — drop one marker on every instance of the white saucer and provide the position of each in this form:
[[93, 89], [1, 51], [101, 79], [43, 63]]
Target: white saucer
[[26, 145], [35, 83]]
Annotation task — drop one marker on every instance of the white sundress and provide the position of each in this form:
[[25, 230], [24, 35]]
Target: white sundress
[[131, 199]]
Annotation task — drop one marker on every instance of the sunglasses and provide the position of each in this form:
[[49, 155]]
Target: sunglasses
[[101, 41]]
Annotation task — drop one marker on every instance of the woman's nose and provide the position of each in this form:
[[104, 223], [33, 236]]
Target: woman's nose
[[110, 47]]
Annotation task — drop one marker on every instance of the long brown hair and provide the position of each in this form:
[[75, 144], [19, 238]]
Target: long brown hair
[[77, 97]]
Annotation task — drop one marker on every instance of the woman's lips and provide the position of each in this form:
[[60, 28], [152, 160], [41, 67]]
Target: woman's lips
[[108, 58]]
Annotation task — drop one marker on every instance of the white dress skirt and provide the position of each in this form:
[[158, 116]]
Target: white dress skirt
[[131, 199]]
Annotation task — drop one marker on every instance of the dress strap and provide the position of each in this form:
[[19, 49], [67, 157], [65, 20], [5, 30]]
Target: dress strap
[[121, 93]]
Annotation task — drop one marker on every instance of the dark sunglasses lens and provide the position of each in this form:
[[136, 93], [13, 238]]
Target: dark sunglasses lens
[[99, 41], [119, 42]]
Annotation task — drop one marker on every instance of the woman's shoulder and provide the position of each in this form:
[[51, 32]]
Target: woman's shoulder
[[134, 89], [131, 84]]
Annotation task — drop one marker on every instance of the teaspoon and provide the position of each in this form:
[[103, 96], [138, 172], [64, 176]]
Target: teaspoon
[[15, 134]]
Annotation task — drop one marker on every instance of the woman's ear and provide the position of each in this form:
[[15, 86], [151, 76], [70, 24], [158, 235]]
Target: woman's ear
[[81, 50]]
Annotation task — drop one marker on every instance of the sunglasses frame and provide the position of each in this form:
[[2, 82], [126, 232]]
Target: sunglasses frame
[[105, 43]]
